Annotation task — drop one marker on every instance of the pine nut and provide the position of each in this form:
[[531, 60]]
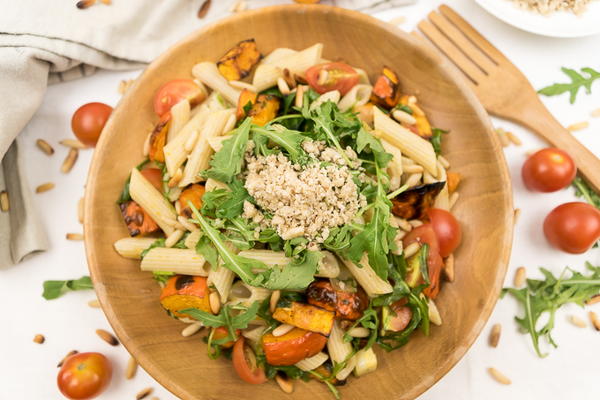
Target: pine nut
[[593, 300], [498, 376], [578, 322], [283, 86], [39, 338], [215, 302], [503, 137], [275, 296], [83, 4], [69, 162], [73, 143], [595, 113], [69, 354], [4, 201], [203, 10], [495, 335], [191, 141], [287, 76], [595, 320], [449, 268], [323, 76], [409, 169], [107, 337], [434, 313], [285, 384], [452, 200], [44, 146], [520, 276], [238, 6], [403, 116], [413, 180], [282, 330], [578, 126], [516, 215], [359, 332], [411, 249], [176, 178], [44, 187], [124, 85], [142, 394], [398, 20], [513, 138], [445, 163], [404, 225], [191, 329], [74, 236], [94, 303], [186, 224], [299, 96], [415, 223], [243, 85], [131, 369]]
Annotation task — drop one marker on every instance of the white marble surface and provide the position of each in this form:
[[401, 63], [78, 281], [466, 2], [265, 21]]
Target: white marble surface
[[27, 370]]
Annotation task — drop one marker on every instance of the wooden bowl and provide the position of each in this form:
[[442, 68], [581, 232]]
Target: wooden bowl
[[130, 298]]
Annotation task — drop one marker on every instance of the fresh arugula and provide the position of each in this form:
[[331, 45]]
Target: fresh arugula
[[545, 297], [124, 197], [162, 276], [221, 203], [583, 190], [436, 139], [157, 243], [287, 139], [225, 318], [298, 274], [578, 81], [364, 139], [227, 162], [205, 248], [324, 118], [369, 320], [327, 381], [55, 289]]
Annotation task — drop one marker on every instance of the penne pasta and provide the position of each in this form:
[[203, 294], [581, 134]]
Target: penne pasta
[[216, 142], [339, 350], [132, 247], [208, 74], [222, 279], [269, 257], [394, 168], [357, 96], [152, 201], [212, 184], [443, 198], [367, 278], [192, 239], [244, 294], [310, 363], [180, 115], [178, 261], [278, 54], [265, 76]]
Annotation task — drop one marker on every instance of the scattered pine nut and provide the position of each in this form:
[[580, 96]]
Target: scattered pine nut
[[215, 302], [498, 376], [403, 116], [495, 335], [238, 6], [404, 225], [411, 249], [595, 113], [39, 338], [595, 320], [282, 330], [184, 221], [578, 322], [44, 146], [146, 147], [287, 76], [124, 85], [578, 126], [415, 223], [83, 4], [69, 354], [69, 161], [173, 238], [410, 169], [203, 10], [73, 143], [359, 332], [131, 369], [503, 137], [80, 210], [44, 187], [516, 215], [274, 300], [513, 138], [283, 87], [4, 201], [449, 268], [398, 20], [593, 300], [520, 276], [107, 337], [142, 394], [285, 384], [94, 303], [299, 96], [191, 329], [74, 236]]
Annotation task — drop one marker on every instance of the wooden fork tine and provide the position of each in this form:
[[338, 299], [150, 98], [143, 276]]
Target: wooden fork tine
[[451, 51], [472, 34]]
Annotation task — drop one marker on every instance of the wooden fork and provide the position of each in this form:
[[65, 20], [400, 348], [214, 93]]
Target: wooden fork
[[502, 89]]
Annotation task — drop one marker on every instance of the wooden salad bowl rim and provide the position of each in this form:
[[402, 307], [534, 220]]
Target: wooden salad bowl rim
[[129, 297]]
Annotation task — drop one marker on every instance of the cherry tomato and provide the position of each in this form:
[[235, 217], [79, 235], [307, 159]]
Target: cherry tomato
[[173, 92], [548, 170], [426, 234], [447, 230], [573, 227], [89, 120], [221, 333], [335, 76], [84, 376], [244, 363], [154, 176]]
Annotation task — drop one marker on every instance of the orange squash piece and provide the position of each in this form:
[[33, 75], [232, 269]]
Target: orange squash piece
[[294, 346], [345, 304], [237, 63], [247, 96], [194, 194], [386, 92], [305, 316], [414, 203], [265, 109], [154, 176], [158, 140], [221, 333], [138, 221], [453, 179], [185, 291]]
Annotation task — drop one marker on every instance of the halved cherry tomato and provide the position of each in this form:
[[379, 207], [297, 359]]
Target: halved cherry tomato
[[174, 91], [426, 234], [548, 170], [447, 230], [244, 363], [332, 76], [573, 227], [84, 376], [89, 120], [221, 333], [401, 317], [154, 176]]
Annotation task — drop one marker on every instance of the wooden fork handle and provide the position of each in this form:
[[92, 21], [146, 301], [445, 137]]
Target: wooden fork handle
[[535, 116]]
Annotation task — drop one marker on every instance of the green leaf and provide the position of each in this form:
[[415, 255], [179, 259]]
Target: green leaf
[[296, 275], [578, 81], [227, 162], [288, 140], [156, 243], [124, 197], [162, 276], [583, 190], [205, 248], [207, 318], [323, 118], [55, 289], [221, 203], [436, 139], [364, 139]]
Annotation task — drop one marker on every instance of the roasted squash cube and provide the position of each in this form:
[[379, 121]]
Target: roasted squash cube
[[305, 316], [386, 92], [184, 291], [194, 194], [158, 139], [137, 220], [346, 304], [237, 63], [453, 179], [265, 109], [415, 202], [246, 100]]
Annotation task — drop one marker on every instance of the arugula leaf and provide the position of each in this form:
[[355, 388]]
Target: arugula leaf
[[365, 139], [221, 203], [578, 80], [162, 276], [369, 320], [546, 296], [227, 162], [55, 289], [436, 139], [582, 189], [296, 275], [124, 197], [157, 243], [287, 139], [323, 118], [225, 318], [205, 248]]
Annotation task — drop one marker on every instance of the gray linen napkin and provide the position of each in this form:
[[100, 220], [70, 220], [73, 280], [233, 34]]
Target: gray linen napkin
[[44, 42]]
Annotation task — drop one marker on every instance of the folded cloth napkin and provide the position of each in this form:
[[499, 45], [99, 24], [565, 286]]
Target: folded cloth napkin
[[43, 42]]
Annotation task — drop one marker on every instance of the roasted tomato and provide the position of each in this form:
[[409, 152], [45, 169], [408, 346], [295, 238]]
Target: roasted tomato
[[237, 63], [244, 363], [453, 179], [447, 230], [573, 227], [175, 91], [221, 333], [246, 100], [265, 109], [345, 304], [184, 291], [294, 346], [415, 202], [84, 376], [138, 221], [154, 176], [326, 77], [397, 316], [194, 194], [158, 139], [386, 92], [305, 316], [426, 234]]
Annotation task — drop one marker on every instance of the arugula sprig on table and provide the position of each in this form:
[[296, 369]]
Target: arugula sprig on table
[[583, 79], [55, 289], [583, 190], [546, 296]]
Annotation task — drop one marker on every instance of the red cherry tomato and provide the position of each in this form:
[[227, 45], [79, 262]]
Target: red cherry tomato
[[154, 176], [426, 234], [573, 227], [335, 76], [89, 120], [447, 230], [244, 363], [84, 376], [548, 170], [173, 92]]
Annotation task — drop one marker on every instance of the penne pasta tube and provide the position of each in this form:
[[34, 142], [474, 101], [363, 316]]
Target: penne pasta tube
[[367, 278], [394, 168], [192, 239], [178, 261], [216, 142], [357, 96], [340, 350], [213, 184], [443, 198], [362, 76], [269, 257], [132, 247], [208, 73], [266, 76], [244, 294], [222, 279], [278, 54], [333, 96], [180, 115], [152, 201], [414, 146], [366, 361], [310, 363]]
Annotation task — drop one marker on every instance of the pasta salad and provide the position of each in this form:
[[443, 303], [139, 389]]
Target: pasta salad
[[295, 212]]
